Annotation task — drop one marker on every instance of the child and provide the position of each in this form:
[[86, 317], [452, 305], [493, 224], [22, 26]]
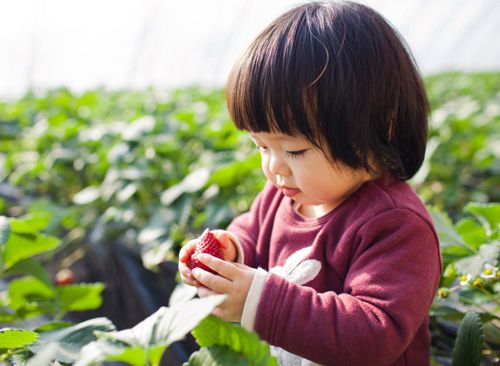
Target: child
[[337, 262]]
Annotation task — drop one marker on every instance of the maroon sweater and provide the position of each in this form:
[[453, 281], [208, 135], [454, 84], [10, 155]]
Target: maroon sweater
[[360, 290]]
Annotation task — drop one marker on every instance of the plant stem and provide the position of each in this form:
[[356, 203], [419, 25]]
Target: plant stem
[[471, 302], [490, 295], [146, 358]]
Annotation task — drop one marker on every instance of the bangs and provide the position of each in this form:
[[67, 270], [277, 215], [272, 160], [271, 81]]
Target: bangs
[[339, 75], [272, 88]]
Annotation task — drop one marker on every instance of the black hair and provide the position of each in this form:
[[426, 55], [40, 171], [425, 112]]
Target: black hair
[[340, 75]]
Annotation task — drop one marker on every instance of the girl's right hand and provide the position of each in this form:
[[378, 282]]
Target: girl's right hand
[[229, 253]]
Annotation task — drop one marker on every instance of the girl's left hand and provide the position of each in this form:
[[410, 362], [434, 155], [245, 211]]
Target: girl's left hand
[[232, 279]]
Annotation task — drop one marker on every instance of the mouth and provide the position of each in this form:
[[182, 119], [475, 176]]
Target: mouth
[[289, 192]]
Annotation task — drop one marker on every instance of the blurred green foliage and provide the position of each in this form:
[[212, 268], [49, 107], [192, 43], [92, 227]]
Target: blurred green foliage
[[151, 169], [463, 154], [134, 167]]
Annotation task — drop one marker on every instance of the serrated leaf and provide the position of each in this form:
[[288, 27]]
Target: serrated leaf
[[28, 290], [82, 296], [473, 265], [469, 341], [448, 236], [67, 342], [100, 349], [487, 213], [213, 331], [152, 335], [15, 338], [470, 265], [25, 245], [4, 230], [167, 324], [217, 356]]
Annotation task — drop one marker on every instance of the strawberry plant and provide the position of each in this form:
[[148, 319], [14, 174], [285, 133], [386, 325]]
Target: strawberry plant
[[471, 277], [31, 294]]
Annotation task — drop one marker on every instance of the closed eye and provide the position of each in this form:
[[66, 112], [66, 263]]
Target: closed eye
[[296, 154]]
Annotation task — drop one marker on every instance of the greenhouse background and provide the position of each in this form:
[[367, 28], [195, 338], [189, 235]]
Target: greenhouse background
[[116, 149], [138, 43]]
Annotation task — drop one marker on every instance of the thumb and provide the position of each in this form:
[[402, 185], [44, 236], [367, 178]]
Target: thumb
[[228, 247], [187, 250]]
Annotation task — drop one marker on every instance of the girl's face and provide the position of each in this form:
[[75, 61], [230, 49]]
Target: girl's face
[[303, 173]]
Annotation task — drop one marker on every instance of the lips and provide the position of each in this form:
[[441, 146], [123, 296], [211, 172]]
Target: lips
[[290, 192]]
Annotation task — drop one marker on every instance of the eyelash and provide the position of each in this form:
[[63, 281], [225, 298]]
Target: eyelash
[[295, 154], [292, 154]]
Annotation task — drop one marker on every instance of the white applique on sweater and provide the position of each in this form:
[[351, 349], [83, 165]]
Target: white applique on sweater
[[298, 270]]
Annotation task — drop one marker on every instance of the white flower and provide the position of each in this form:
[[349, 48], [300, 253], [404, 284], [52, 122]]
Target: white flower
[[465, 279], [489, 271]]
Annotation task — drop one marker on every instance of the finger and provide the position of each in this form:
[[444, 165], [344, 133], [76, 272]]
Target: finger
[[190, 282], [222, 267], [187, 250], [219, 313], [228, 247], [205, 291], [214, 282]]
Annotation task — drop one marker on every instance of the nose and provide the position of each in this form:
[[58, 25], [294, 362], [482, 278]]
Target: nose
[[277, 166]]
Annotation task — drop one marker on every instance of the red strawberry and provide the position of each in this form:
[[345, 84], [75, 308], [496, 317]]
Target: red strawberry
[[65, 277], [208, 244]]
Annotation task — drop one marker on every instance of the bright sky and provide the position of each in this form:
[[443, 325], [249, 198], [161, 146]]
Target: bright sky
[[136, 43]]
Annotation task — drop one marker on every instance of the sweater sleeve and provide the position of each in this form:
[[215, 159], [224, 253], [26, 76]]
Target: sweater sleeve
[[246, 226], [387, 292]]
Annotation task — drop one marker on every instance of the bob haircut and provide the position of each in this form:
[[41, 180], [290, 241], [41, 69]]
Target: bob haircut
[[338, 74]]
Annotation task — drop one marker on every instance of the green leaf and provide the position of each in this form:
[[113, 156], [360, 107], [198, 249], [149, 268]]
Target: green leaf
[[473, 233], [67, 342], [136, 356], [53, 325], [100, 350], [82, 296], [25, 245], [487, 213], [4, 230], [448, 236], [153, 334], [228, 175], [213, 331], [469, 342], [26, 290], [15, 338], [131, 355], [474, 265], [33, 268], [31, 223], [167, 324], [217, 356]]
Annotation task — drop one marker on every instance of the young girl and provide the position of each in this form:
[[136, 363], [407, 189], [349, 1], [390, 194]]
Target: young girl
[[337, 262]]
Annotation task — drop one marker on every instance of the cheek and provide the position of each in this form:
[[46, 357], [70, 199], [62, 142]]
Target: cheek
[[265, 167]]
